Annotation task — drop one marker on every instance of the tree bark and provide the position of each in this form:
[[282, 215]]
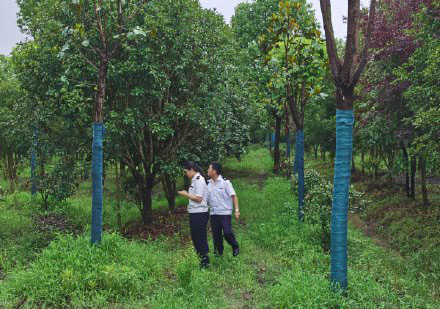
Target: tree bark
[[147, 204], [169, 187], [406, 162], [363, 161], [413, 177], [422, 167], [118, 196], [270, 142], [11, 174], [353, 165], [276, 151]]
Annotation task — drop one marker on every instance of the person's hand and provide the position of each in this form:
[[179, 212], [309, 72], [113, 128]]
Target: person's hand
[[237, 215], [183, 193]]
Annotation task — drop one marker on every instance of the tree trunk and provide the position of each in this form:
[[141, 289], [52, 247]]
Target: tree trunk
[[422, 167], [169, 187], [363, 161], [97, 154], [300, 168], [413, 177], [353, 165], [147, 203], [276, 151], [288, 144], [315, 148], [97, 186], [10, 168], [406, 162], [346, 74], [34, 162], [270, 142], [118, 197]]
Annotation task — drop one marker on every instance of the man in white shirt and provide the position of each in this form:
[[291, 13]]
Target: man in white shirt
[[221, 200]]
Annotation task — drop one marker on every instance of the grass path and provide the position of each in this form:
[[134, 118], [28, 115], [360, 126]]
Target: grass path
[[281, 264]]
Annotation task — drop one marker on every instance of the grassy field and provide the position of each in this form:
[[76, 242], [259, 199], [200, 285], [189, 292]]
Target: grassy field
[[281, 264]]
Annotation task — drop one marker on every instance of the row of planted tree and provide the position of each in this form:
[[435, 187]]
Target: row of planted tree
[[313, 85], [151, 83]]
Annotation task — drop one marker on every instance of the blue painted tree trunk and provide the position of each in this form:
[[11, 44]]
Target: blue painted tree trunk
[[341, 186], [295, 160], [299, 159], [97, 195], [34, 162], [288, 145]]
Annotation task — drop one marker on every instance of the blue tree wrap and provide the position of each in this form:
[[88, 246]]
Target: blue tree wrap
[[338, 244], [299, 158], [295, 160], [273, 139], [34, 161], [288, 146], [97, 158]]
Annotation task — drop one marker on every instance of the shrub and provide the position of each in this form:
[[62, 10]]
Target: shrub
[[372, 166], [286, 166], [59, 183], [72, 273], [318, 201]]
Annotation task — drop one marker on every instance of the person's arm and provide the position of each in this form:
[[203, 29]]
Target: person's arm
[[237, 210], [192, 197], [231, 192]]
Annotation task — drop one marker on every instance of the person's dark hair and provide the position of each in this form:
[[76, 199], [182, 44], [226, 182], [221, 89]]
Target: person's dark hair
[[187, 165], [217, 167], [192, 165]]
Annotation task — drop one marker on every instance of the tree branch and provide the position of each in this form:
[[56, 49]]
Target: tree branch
[[335, 63], [352, 38], [364, 55]]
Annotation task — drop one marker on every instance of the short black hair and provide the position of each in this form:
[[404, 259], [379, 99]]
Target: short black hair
[[217, 167], [188, 165]]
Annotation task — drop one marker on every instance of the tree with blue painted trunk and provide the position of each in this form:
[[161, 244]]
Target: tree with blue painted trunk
[[97, 29], [293, 47], [346, 74]]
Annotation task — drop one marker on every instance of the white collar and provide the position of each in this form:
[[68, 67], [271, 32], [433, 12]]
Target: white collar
[[195, 176]]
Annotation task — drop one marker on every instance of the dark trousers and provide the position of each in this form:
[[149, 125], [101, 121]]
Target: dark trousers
[[198, 223], [221, 227]]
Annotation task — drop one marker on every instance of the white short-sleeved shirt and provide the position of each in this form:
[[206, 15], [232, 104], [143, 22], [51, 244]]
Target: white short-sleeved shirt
[[198, 188], [220, 195]]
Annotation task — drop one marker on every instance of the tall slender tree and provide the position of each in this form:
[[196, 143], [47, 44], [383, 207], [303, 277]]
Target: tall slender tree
[[346, 75]]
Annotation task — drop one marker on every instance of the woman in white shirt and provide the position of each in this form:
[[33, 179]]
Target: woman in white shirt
[[197, 210]]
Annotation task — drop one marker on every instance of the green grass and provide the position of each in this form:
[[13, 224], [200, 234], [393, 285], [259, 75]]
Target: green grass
[[281, 264], [400, 224]]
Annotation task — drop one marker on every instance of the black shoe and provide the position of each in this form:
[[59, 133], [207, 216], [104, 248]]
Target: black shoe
[[235, 251], [204, 262]]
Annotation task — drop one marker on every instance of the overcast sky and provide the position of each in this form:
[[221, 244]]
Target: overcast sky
[[10, 34]]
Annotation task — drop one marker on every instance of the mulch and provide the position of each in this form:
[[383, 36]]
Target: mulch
[[57, 223], [165, 223]]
